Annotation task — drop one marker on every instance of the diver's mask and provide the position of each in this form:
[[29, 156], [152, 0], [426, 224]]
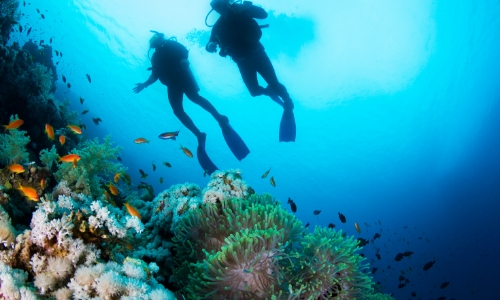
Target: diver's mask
[[155, 40]]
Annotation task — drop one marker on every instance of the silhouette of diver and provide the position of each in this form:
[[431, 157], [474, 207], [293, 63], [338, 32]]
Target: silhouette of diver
[[238, 35], [170, 65]]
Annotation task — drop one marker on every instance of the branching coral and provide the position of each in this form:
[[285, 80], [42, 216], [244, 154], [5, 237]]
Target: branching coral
[[97, 165], [49, 157], [13, 147]]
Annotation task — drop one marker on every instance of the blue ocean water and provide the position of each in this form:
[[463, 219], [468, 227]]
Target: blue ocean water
[[396, 104]]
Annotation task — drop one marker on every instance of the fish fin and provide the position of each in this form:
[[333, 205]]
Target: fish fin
[[173, 138]]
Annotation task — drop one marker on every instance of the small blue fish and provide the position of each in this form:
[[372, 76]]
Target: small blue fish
[[169, 135]]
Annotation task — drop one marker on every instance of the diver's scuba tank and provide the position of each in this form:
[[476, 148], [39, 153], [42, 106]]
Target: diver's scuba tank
[[249, 3]]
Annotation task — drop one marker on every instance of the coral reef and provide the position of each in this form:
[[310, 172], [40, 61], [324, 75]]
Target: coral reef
[[27, 79], [96, 166], [8, 17], [148, 193], [73, 247], [226, 185], [42, 55], [162, 215], [15, 203]]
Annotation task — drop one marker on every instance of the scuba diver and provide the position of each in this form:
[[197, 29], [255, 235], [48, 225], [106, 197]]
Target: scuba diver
[[238, 35], [171, 66]]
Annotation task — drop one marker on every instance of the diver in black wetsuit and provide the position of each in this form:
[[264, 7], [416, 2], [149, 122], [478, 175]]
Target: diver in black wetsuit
[[238, 34], [170, 65]]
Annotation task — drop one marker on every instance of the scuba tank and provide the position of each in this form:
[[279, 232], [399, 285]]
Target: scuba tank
[[231, 4]]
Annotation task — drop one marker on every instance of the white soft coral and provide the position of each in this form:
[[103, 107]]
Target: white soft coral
[[105, 218], [59, 268], [43, 230], [12, 283]]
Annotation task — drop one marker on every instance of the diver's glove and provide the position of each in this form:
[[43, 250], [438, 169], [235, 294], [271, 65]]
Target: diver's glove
[[211, 47], [223, 52]]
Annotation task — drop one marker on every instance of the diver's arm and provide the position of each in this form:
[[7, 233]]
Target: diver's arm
[[140, 86], [152, 79]]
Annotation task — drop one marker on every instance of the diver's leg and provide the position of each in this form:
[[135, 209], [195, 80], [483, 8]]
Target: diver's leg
[[266, 70], [249, 75], [206, 105], [175, 95]]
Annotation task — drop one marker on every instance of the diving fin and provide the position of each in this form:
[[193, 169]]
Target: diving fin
[[288, 129], [205, 161], [287, 125], [234, 142]]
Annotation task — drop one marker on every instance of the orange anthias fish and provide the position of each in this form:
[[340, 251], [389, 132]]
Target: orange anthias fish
[[29, 192], [132, 211], [357, 227], [49, 131], [14, 124], [62, 139], [43, 183], [16, 168], [187, 152], [141, 141], [72, 158], [117, 177], [75, 128], [113, 189]]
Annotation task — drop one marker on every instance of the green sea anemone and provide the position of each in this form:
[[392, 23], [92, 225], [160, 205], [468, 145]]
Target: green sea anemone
[[205, 232], [254, 249], [328, 267], [246, 267]]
